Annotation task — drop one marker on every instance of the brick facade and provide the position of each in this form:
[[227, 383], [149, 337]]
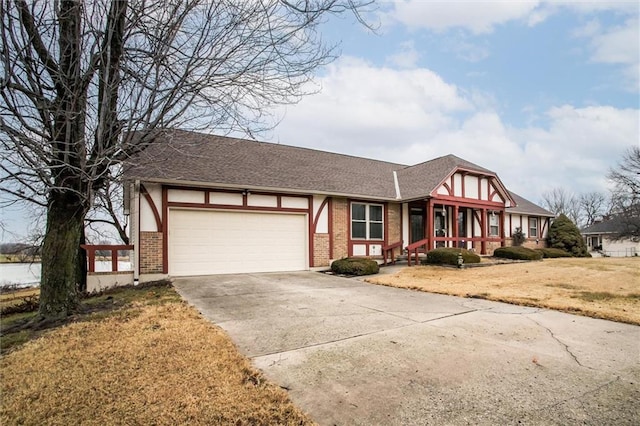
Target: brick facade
[[321, 250], [340, 228], [150, 252], [395, 225]]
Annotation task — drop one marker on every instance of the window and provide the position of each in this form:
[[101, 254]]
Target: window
[[533, 227], [494, 224], [366, 222]]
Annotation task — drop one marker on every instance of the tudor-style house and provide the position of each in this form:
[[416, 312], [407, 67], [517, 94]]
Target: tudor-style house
[[202, 204]]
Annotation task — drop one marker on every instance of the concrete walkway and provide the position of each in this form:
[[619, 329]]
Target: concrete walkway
[[352, 353]]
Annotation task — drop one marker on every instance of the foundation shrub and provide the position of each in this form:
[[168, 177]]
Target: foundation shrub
[[517, 253], [355, 266], [449, 256], [551, 253]]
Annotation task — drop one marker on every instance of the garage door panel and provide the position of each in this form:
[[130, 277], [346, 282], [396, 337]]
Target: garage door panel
[[215, 242]]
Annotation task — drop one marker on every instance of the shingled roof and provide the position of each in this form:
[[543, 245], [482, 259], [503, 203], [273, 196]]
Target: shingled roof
[[178, 156], [525, 206], [181, 156], [614, 225]]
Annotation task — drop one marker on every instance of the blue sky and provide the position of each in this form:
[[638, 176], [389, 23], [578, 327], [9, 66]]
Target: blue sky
[[546, 94]]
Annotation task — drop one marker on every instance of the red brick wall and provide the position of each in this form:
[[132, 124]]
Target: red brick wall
[[321, 250], [340, 228], [150, 252]]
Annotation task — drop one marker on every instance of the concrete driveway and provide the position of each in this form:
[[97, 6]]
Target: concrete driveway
[[352, 353]]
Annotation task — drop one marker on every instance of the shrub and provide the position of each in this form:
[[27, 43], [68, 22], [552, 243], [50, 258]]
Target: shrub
[[518, 237], [518, 253], [550, 253], [355, 266], [565, 235], [449, 256]]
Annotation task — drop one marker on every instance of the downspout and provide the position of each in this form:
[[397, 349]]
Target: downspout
[[135, 232]]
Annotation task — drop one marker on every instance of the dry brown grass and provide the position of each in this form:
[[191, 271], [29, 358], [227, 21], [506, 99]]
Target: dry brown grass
[[146, 363], [14, 297], [606, 288]]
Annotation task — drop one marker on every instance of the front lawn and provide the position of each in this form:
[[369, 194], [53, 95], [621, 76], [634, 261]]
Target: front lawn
[[136, 356], [606, 288]]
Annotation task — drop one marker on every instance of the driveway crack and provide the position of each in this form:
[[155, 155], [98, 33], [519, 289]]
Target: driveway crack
[[564, 345]]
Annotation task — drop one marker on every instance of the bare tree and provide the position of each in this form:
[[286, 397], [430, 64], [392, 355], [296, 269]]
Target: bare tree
[[560, 201], [593, 206], [86, 83], [626, 193]]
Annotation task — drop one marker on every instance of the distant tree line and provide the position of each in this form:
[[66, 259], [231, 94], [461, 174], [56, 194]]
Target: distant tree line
[[622, 201]]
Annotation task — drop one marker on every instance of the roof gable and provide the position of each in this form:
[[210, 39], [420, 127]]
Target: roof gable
[[424, 179]]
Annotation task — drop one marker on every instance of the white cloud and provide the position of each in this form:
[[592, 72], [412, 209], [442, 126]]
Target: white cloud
[[406, 57], [410, 116], [618, 45], [476, 16], [481, 17]]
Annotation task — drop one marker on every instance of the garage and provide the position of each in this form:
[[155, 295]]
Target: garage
[[203, 242]]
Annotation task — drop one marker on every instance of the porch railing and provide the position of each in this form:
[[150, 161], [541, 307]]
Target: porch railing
[[388, 251], [114, 249], [414, 247]]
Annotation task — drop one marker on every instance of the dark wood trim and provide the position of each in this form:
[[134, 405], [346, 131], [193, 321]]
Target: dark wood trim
[[207, 198], [468, 202], [385, 225], [330, 227], [429, 231], [501, 224], [91, 254], [317, 217], [231, 207], [153, 207], [165, 230], [483, 231], [448, 188], [311, 231]]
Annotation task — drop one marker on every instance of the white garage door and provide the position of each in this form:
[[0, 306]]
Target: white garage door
[[205, 242]]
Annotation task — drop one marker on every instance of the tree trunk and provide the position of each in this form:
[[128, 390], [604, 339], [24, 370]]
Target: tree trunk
[[59, 281]]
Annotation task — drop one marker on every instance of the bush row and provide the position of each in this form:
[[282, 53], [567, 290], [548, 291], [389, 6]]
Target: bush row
[[550, 253], [517, 253], [449, 256]]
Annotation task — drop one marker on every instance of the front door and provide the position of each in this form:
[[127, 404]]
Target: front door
[[417, 224]]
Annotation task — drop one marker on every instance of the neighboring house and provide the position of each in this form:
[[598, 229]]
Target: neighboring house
[[600, 238], [202, 204]]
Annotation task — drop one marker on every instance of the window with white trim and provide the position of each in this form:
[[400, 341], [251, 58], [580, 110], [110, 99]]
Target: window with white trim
[[494, 225], [367, 221], [533, 227]]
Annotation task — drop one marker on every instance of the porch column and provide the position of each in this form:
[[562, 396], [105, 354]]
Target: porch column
[[429, 227], [502, 234], [454, 225], [483, 232]]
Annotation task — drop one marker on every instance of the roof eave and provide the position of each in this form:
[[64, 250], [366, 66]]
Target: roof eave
[[293, 191]]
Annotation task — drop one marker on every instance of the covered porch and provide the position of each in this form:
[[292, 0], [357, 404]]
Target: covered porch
[[435, 223]]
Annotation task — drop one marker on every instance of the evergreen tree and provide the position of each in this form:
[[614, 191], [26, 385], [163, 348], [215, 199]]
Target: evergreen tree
[[565, 235]]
